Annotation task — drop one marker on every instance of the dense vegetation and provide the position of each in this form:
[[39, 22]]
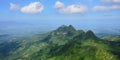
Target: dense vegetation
[[64, 43]]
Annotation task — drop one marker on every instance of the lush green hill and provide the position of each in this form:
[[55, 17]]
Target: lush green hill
[[112, 38], [64, 43]]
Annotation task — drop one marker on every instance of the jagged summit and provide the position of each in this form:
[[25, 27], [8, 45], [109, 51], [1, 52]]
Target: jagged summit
[[64, 43], [71, 28], [71, 31], [66, 28], [90, 34]]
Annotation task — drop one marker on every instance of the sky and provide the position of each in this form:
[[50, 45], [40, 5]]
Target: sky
[[24, 15], [59, 10]]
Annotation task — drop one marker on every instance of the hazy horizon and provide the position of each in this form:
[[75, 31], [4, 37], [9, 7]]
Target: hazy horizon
[[22, 27], [36, 16]]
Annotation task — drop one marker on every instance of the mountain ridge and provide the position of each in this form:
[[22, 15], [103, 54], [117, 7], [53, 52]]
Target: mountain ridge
[[64, 43]]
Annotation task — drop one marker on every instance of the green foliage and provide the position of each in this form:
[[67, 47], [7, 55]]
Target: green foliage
[[64, 43], [112, 38]]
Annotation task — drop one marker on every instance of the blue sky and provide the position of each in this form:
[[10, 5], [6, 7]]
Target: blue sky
[[26, 15], [64, 10]]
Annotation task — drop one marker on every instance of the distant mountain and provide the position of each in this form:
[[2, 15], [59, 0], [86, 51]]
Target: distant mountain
[[64, 43]]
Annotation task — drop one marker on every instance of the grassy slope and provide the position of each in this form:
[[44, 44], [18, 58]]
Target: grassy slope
[[88, 50], [112, 38], [65, 43]]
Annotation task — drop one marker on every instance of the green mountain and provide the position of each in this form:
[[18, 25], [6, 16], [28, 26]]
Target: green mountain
[[64, 43], [112, 38]]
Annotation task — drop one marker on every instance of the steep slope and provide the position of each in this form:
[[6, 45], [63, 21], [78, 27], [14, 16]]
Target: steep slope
[[84, 48], [80, 46], [87, 50], [64, 43], [114, 44]]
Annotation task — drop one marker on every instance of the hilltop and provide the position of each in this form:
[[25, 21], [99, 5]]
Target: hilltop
[[64, 43]]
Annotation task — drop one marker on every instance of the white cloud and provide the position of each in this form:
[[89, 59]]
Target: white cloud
[[73, 9], [59, 4], [111, 1], [115, 7], [34, 7], [100, 8], [14, 6], [106, 8]]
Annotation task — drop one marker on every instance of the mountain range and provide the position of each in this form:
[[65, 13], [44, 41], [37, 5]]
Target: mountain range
[[64, 43]]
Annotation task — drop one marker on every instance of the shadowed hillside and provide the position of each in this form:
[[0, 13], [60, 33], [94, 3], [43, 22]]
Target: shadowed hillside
[[64, 43]]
